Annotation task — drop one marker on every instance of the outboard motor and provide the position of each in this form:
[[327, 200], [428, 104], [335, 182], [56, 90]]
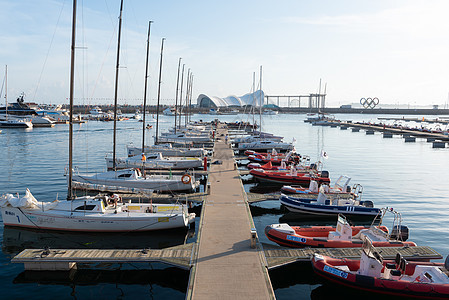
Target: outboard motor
[[399, 232], [367, 203]]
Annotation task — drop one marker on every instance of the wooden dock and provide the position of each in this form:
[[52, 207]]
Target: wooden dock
[[279, 256], [225, 265], [399, 131], [60, 259]]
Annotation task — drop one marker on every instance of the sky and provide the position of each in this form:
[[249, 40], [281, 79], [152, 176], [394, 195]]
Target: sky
[[395, 50]]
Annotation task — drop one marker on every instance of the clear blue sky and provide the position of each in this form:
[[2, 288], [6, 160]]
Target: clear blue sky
[[397, 51]]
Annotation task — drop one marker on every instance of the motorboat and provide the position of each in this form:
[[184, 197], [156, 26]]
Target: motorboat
[[184, 138], [341, 236], [19, 108], [266, 145], [37, 121], [324, 206], [133, 181], [214, 111], [340, 187], [255, 138], [92, 214], [169, 111], [276, 159], [167, 150], [272, 152], [15, 123], [155, 161], [372, 274], [137, 115], [293, 175], [270, 112], [96, 111]]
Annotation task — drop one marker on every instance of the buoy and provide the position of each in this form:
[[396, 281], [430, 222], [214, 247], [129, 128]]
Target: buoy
[[186, 179]]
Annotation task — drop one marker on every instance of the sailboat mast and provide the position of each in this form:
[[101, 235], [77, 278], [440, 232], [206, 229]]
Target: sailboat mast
[[187, 97], [159, 92], [6, 91], [253, 107], [145, 89], [180, 96], [261, 100], [177, 89], [114, 167], [190, 99], [72, 75]]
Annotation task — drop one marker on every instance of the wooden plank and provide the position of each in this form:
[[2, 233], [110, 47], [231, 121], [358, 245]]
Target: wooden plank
[[282, 256]]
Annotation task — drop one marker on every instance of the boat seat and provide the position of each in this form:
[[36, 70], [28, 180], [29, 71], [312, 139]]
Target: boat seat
[[372, 235], [429, 274]]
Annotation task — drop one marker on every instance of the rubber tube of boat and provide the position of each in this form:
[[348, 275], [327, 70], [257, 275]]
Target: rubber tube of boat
[[205, 163]]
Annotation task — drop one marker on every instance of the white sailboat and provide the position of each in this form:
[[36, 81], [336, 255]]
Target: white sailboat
[[132, 181], [90, 214], [155, 161], [167, 150]]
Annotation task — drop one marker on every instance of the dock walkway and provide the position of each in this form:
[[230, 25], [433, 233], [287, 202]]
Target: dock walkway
[[226, 267]]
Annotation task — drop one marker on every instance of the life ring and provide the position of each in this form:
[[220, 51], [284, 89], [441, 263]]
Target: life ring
[[186, 179]]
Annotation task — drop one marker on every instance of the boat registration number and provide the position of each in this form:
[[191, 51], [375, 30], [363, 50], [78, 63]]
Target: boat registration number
[[336, 272], [296, 239]]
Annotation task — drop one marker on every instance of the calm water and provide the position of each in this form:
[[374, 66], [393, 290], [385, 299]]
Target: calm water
[[410, 177]]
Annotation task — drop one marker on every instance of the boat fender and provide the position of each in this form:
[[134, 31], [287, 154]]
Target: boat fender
[[186, 179], [399, 232]]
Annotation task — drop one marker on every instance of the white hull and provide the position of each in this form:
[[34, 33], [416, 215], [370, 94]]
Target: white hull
[[145, 186], [156, 164], [182, 152], [92, 215], [15, 124], [265, 145], [91, 222], [183, 139]]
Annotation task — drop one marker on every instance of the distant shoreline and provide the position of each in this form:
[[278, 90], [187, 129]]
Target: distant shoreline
[[286, 110]]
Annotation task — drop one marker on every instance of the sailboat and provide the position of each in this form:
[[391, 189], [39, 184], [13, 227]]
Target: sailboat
[[9, 122], [97, 214]]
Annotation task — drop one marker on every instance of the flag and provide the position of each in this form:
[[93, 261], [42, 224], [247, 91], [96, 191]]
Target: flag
[[324, 154]]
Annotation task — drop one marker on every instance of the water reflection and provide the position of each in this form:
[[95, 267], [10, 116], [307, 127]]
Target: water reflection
[[170, 277], [18, 239]]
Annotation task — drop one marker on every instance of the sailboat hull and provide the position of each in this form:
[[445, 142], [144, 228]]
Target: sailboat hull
[[91, 222]]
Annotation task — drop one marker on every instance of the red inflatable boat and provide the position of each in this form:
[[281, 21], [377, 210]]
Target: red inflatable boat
[[342, 236], [291, 176], [422, 280]]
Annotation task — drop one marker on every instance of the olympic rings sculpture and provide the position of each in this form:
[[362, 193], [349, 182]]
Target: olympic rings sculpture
[[369, 102]]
